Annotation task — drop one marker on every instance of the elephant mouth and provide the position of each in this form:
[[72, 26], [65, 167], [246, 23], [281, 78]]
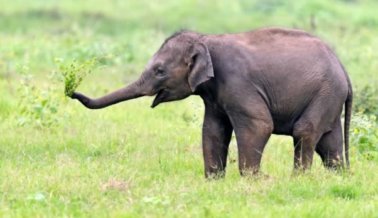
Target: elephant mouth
[[160, 96]]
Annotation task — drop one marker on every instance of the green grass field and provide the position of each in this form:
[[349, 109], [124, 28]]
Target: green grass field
[[59, 159]]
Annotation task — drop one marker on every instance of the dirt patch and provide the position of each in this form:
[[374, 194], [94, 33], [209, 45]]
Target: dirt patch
[[115, 184]]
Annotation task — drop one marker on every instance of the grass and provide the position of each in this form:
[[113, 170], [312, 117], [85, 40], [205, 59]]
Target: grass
[[126, 169], [58, 159]]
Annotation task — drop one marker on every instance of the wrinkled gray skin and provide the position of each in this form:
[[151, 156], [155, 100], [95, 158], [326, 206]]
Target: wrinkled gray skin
[[266, 81]]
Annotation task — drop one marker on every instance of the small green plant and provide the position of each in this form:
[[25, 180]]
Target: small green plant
[[74, 73], [364, 135], [38, 106]]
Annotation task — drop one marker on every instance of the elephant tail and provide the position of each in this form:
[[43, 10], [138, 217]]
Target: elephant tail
[[348, 114]]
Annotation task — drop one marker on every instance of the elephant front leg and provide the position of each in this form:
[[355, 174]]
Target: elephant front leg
[[216, 136]]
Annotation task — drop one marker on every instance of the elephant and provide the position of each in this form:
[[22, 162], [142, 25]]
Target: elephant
[[265, 81]]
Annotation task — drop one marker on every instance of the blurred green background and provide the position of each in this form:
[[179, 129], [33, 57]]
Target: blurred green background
[[59, 159], [39, 31]]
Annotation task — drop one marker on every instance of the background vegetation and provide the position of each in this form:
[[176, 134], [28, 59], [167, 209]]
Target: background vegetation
[[59, 159]]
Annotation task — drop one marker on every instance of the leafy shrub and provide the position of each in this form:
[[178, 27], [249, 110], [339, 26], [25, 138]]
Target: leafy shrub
[[38, 107], [366, 100], [364, 135], [74, 74]]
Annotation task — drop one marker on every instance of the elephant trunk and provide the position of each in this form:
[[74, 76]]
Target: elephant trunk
[[131, 91]]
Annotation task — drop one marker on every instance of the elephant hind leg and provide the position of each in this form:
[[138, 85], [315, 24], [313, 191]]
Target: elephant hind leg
[[330, 147], [316, 120]]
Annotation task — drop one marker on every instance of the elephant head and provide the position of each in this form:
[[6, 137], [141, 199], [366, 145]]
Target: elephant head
[[174, 72]]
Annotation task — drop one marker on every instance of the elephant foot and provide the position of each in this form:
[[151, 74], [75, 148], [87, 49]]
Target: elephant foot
[[215, 175]]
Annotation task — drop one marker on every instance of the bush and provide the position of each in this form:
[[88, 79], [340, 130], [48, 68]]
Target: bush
[[366, 100], [364, 135], [38, 106]]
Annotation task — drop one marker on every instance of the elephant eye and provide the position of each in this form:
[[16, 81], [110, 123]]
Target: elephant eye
[[159, 72]]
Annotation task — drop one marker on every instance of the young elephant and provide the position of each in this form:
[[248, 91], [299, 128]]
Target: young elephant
[[256, 83]]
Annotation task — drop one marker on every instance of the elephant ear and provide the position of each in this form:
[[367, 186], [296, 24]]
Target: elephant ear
[[200, 64]]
